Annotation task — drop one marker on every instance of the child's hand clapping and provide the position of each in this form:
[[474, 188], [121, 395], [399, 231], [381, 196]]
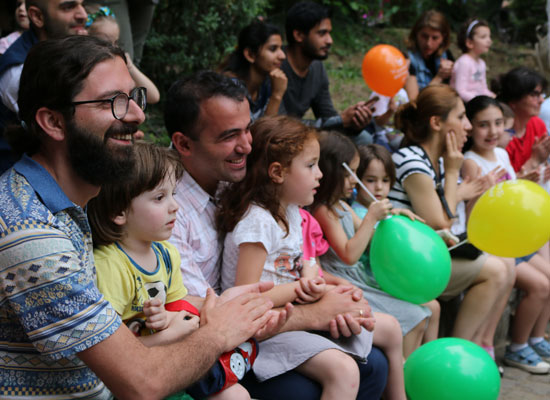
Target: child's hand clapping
[[493, 177], [532, 175], [310, 290], [471, 188], [157, 316], [541, 149]]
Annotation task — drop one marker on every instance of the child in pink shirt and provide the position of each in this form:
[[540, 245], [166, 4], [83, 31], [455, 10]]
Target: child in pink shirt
[[469, 71], [315, 244]]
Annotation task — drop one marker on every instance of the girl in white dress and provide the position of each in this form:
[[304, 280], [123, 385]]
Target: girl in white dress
[[528, 350], [264, 243]]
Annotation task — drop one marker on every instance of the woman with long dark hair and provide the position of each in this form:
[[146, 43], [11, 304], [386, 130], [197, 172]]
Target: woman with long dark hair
[[256, 63]]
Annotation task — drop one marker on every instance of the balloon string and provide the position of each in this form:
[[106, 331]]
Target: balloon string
[[359, 182], [458, 244]]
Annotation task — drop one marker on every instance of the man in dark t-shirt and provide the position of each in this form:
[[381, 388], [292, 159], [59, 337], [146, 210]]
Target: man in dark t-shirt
[[308, 29]]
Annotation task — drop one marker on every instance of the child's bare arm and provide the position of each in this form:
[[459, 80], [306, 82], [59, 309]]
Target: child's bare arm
[[250, 265], [384, 119], [153, 94], [195, 300], [350, 250], [310, 269], [181, 324], [407, 213]]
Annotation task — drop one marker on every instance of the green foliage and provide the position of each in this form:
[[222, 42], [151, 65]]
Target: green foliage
[[524, 17], [153, 127], [456, 11], [187, 36], [362, 12], [190, 35], [515, 23]]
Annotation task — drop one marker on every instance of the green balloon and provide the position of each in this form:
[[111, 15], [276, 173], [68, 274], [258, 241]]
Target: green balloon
[[409, 260], [451, 369]]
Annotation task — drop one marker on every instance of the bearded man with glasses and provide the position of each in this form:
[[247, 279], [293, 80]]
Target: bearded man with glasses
[[60, 338]]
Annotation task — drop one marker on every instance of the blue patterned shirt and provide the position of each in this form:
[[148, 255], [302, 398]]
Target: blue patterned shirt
[[50, 307]]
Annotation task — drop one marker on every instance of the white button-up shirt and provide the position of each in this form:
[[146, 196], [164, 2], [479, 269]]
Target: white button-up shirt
[[196, 238]]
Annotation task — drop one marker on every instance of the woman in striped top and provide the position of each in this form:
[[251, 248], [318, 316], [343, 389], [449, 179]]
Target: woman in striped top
[[427, 182]]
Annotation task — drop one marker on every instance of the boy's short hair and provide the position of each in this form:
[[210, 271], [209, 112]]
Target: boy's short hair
[[185, 96], [370, 152], [303, 16], [153, 163]]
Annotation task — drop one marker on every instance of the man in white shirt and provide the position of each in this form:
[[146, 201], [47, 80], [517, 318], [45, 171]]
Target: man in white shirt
[[208, 118], [60, 337]]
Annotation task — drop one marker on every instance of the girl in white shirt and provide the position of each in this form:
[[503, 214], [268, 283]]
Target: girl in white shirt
[[528, 349], [261, 218]]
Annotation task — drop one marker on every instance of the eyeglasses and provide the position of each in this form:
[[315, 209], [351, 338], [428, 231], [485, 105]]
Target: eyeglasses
[[536, 93], [120, 102]]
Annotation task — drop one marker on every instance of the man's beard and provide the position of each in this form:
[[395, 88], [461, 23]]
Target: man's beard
[[94, 160], [312, 52], [53, 29]]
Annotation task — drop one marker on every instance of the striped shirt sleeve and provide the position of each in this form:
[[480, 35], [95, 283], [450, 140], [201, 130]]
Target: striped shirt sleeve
[[408, 161]]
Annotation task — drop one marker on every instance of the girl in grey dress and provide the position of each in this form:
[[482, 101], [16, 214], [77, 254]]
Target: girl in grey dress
[[348, 237]]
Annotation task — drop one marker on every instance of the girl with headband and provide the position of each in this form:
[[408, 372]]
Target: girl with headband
[[469, 71]]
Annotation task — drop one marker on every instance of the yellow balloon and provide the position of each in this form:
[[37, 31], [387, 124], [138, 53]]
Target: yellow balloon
[[511, 219]]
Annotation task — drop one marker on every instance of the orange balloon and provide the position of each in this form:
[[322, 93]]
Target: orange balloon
[[385, 69]]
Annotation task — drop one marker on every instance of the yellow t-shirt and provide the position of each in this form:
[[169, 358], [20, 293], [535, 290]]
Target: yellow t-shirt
[[126, 285]]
